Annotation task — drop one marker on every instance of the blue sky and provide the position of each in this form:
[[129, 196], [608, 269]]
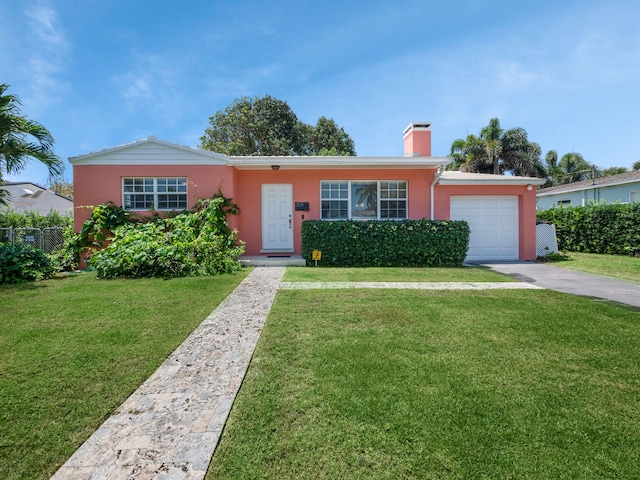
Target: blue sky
[[99, 73]]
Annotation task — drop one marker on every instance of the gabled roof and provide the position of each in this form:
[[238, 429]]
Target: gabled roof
[[152, 151], [608, 181], [464, 178], [35, 191], [120, 154], [3, 184]]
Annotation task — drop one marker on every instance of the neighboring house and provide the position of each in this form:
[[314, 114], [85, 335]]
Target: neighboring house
[[25, 197], [621, 188], [276, 194]]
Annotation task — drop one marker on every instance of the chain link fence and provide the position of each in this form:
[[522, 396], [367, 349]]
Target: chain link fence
[[45, 239]]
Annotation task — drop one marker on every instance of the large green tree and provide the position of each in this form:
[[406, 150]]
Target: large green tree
[[22, 139], [268, 126], [497, 151], [327, 138]]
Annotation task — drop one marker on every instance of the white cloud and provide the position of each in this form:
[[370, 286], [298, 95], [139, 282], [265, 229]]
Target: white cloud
[[136, 88], [45, 58], [154, 85], [43, 23]]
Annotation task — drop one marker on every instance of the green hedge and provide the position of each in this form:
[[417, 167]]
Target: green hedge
[[22, 263], [386, 243], [612, 229], [33, 219]]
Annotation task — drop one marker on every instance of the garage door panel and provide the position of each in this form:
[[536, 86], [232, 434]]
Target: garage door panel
[[494, 225]]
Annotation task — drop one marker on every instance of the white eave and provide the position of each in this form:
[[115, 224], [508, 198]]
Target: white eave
[[298, 163], [464, 178]]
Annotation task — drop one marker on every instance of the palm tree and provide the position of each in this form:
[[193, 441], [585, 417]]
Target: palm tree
[[459, 156], [481, 154], [22, 139], [496, 151], [575, 168], [552, 171]]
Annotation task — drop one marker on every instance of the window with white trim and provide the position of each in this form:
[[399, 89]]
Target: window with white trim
[[165, 193], [634, 197], [363, 200], [393, 199]]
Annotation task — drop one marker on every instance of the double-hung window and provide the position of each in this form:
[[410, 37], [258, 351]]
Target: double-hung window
[[164, 193], [334, 200], [363, 200]]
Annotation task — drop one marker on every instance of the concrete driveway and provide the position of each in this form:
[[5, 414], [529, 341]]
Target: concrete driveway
[[571, 281]]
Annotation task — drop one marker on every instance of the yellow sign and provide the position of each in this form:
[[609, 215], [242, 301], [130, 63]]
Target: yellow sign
[[316, 255]]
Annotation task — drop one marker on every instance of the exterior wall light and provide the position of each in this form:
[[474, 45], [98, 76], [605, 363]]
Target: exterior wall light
[[275, 167]]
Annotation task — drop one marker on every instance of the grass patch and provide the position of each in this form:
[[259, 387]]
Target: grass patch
[[72, 349], [383, 384], [386, 274], [619, 266]]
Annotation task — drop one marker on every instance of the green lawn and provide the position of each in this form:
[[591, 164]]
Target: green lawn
[[344, 383], [383, 384], [73, 348], [462, 274], [627, 268]]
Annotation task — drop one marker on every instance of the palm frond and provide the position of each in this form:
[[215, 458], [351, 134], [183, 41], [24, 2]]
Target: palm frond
[[22, 139]]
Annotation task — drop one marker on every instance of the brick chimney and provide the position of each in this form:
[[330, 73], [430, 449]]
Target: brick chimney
[[417, 140]]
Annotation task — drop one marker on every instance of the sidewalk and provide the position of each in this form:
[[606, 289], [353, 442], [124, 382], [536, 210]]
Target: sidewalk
[[572, 281]]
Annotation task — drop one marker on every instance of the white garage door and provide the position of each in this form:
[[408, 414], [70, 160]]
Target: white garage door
[[494, 226]]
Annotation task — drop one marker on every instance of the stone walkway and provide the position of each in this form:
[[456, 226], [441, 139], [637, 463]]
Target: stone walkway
[[169, 428]]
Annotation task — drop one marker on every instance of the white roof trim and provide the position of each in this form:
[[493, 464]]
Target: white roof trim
[[253, 163], [465, 178], [100, 157]]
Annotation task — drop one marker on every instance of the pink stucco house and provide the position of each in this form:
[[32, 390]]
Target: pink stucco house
[[276, 194]]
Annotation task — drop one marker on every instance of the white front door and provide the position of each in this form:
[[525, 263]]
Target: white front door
[[277, 218]]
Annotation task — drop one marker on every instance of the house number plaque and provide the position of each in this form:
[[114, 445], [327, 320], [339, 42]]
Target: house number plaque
[[302, 206]]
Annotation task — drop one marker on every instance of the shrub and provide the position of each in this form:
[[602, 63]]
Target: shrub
[[386, 243], [198, 242], [554, 257], [33, 219], [612, 229], [65, 257], [22, 263], [105, 218]]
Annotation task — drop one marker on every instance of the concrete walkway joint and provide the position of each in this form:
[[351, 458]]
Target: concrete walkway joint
[[410, 285]]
